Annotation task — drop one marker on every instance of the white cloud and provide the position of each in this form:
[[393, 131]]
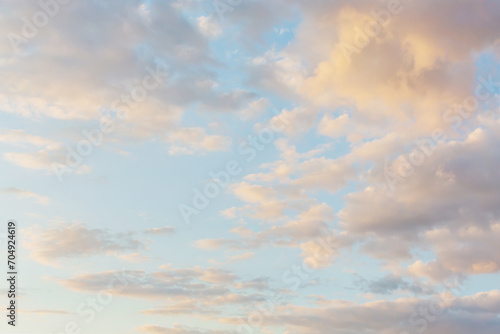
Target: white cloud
[[21, 193], [49, 245]]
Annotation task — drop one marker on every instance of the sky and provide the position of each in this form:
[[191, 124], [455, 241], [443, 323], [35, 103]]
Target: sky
[[250, 166]]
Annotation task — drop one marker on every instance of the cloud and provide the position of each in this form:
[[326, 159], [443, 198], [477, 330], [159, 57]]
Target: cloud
[[253, 193], [188, 291], [47, 312], [254, 109], [391, 284], [20, 193], [264, 211], [210, 243], [196, 139], [402, 80], [41, 160], [309, 231], [338, 178], [178, 329], [209, 26], [134, 257], [20, 137], [469, 250], [334, 128], [435, 206], [98, 74], [413, 65], [241, 257], [296, 121], [49, 245], [46, 153], [169, 230], [47, 150], [447, 313], [256, 284]]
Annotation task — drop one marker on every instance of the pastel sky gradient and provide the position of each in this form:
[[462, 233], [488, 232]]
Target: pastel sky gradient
[[274, 167]]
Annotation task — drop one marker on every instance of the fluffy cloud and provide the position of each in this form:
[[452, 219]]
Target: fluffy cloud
[[100, 73], [406, 63], [209, 26], [468, 250], [253, 193], [435, 204], [383, 99]]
